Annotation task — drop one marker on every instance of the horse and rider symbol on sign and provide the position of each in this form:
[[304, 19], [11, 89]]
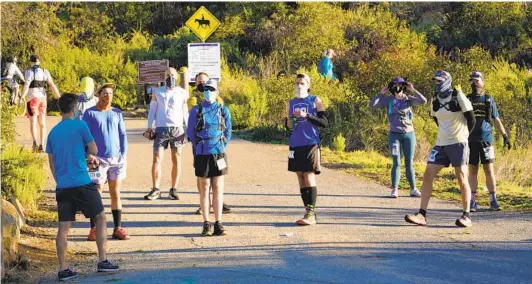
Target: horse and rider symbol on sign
[[203, 23]]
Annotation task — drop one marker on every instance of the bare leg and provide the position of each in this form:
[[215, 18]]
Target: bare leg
[[114, 191], [473, 180], [33, 128], [41, 119], [309, 179], [218, 196], [176, 166], [428, 179], [461, 176], [204, 184], [490, 178], [61, 243], [101, 235], [156, 168]]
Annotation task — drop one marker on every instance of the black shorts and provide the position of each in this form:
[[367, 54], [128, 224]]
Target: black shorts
[[305, 159], [483, 152], [85, 198], [207, 165]]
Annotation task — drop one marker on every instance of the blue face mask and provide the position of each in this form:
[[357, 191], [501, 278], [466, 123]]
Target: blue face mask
[[210, 95]]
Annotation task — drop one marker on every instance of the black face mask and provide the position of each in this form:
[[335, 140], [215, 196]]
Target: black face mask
[[171, 82], [200, 88], [476, 90], [395, 89]]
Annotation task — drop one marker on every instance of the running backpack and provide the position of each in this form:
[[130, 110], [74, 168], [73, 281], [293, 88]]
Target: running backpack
[[37, 83], [487, 106], [452, 105], [200, 123], [390, 109]]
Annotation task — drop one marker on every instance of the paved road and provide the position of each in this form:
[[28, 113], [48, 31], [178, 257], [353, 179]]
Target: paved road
[[361, 238]]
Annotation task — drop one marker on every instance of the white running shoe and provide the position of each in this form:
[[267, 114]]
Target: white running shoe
[[395, 193], [415, 193]]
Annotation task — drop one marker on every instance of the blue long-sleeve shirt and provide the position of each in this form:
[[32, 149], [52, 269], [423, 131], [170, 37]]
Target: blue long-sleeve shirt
[[109, 131], [210, 139]]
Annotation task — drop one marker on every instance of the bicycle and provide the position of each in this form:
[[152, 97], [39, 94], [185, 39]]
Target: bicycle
[[18, 103]]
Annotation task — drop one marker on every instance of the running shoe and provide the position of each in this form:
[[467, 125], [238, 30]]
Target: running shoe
[[65, 275], [207, 229], [40, 149], [417, 219], [395, 193], [120, 234], [309, 218], [198, 211], [226, 209], [415, 193], [473, 206], [494, 205], [92, 235], [155, 193], [34, 147], [463, 221], [219, 229], [173, 194], [107, 266]]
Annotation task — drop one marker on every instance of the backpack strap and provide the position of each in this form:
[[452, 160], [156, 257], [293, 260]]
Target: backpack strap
[[487, 105]]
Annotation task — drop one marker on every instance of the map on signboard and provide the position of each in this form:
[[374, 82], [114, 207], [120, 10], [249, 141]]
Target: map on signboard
[[203, 23], [152, 71]]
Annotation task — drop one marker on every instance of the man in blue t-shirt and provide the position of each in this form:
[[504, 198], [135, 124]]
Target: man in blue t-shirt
[[106, 124], [481, 144], [66, 146]]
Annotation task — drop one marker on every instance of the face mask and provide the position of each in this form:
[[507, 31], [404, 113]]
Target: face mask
[[301, 92], [210, 96], [171, 82], [200, 88]]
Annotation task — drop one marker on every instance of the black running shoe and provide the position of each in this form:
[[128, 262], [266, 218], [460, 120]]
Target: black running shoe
[[107, 266], [226, 209], [173, 194], [219, 229], [155, 193], [463, 221], [207, 229], [198, 211], [67, 274]]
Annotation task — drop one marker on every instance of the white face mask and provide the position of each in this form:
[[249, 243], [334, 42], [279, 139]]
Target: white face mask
[[301, 92]]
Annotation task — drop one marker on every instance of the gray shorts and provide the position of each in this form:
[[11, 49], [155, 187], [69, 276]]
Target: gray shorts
[[173, 136], [454, 154], [109, 169]]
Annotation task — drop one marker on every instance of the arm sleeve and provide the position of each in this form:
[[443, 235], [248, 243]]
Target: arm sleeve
[[228, 132], [470, 117], [122, 134], [379, 101], [191, 125], [319, 120], [418, 99], [152, 113]]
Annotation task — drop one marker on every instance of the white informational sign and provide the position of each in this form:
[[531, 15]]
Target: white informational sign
[[204, 57]]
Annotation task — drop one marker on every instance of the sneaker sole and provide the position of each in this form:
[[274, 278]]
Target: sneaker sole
[[120, 239], [305, 223], [226, 212], [415, 223], [107, 270], [473, 210], [496, 209], [68, 278], [461, 225], [89, 240], [206, 235], [152, 198], [173, 198]]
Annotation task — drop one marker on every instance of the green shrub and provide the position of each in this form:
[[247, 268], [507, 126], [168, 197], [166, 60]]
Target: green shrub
[[23, 174], [339, 143], [8, 114]]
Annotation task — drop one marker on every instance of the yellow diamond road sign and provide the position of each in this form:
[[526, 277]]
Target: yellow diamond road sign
[[203, 23]]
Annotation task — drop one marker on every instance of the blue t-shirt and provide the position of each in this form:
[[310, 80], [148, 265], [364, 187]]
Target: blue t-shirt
[[482, 131], [109, 131], [66, 142], [210, 138], [304, 133]]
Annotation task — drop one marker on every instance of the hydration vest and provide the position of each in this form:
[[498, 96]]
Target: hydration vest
[[486, 110], [37, 83], [452, 105], [200, 123]]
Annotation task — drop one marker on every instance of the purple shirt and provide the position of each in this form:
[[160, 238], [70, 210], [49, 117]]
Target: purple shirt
[[399, 111], [109, 131]]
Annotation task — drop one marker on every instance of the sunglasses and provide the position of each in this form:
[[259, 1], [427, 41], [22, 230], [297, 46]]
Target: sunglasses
[[209, 89]]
